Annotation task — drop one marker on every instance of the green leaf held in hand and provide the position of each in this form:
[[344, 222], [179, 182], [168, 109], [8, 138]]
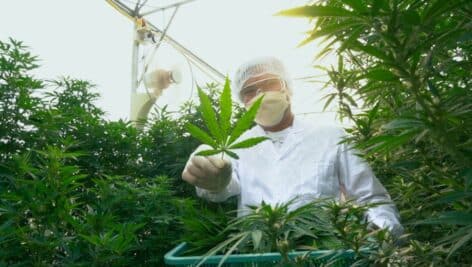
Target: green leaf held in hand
[[221, 137]]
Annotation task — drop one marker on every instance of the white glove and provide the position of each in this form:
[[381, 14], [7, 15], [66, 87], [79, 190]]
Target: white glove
[[158, 80], [207, 172]]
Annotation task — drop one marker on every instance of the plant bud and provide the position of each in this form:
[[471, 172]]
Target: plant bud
[[283, 245]]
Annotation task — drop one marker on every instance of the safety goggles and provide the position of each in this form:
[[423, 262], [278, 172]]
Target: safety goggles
[[270, 84]]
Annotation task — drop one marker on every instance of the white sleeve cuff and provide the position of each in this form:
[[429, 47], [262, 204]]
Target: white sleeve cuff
[[386, 217]]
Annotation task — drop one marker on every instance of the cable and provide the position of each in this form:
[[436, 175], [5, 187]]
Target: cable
[[158, 44], [193, 77], [136, 7], [201, 68], [143, 4], [166, 7], [133, 3], [179, 47], [155, 8]]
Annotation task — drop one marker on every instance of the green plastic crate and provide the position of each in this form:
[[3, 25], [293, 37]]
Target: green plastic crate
[[173, 258]]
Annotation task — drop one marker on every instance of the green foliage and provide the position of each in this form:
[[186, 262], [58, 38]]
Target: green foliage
[[318, 225], [48, 214], [76, 189], [18, 104], [403, 79], [206, 226], [221, 137]]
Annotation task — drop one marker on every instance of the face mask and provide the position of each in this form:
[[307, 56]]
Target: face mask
[[272, 109]]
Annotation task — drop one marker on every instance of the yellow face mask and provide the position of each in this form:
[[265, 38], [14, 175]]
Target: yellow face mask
[[272, 109]]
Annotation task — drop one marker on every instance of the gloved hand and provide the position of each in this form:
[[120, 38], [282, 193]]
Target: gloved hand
[[208, 172]]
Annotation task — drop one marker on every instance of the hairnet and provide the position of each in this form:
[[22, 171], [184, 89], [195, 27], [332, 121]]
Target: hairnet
[[256, 67]]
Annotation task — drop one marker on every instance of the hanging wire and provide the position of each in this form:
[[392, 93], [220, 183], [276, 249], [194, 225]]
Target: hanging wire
[[157, 9], [193, 77], [144, 4], [158, 44], [199, 67], [194, 58], [163, 17], [136, 7], [145, 87], [130, 2]]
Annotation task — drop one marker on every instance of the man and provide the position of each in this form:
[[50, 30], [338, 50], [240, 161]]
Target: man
[[300, 160]]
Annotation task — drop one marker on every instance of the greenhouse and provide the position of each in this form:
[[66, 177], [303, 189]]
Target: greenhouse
[[236, 133]]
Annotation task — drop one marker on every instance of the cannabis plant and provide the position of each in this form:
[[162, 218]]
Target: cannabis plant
[[405, 67], [221, 137], [319, 225], [205, 225], [77, 189], [18, 101]]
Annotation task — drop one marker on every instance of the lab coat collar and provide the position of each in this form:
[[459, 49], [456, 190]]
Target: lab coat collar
[[290, 143]]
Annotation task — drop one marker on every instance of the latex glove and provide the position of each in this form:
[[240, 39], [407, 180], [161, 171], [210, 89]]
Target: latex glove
[[208, 172], [158, 80]]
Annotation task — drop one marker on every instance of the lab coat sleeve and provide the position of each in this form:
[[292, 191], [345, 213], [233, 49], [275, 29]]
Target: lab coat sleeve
[[360, 184], [232, 189]]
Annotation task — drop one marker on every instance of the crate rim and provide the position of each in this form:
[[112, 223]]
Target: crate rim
[[172, 258]]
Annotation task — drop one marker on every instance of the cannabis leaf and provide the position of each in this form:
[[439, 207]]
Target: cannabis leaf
[[220, 136]]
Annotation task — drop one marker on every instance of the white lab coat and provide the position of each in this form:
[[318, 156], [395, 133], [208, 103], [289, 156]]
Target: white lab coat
[[310, 164]]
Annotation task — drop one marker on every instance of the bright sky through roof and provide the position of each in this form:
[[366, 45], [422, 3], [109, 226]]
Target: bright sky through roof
[[90, 40]]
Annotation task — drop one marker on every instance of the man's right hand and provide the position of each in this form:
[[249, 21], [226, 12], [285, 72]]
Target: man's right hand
[[208, 172]]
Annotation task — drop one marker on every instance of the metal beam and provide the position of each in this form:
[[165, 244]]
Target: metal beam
[[200, 63]]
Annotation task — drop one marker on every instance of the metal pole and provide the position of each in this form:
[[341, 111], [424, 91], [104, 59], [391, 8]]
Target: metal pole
[[134, 62], [134, 67]]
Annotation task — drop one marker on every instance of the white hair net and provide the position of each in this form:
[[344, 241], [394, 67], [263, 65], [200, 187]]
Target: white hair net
[[256, 67]]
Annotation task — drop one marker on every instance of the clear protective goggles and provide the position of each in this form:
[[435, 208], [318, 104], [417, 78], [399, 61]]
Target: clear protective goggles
[[265, 85]]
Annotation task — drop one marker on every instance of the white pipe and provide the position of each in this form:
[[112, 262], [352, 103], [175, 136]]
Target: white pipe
[[134, 61], [134, 71]]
